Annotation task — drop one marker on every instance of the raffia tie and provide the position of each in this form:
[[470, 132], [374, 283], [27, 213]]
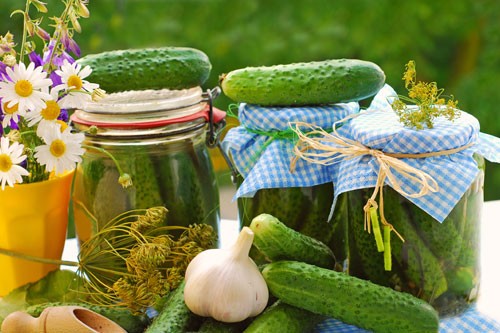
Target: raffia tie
[[315, 145]]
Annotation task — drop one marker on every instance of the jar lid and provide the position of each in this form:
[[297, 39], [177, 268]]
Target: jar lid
[[145, 108]]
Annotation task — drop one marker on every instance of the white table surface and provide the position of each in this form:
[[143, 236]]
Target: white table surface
[[489, 292], [489, 297]]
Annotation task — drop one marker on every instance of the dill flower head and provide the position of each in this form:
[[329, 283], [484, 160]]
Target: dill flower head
[[426, 102], [136, 259]]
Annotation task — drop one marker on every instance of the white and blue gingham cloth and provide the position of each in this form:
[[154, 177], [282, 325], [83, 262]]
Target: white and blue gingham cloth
[[268, 166], [264, 160], [471, 321]]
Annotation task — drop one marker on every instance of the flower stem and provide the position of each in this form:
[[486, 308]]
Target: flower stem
[[57, 33], [41, 260], [25, 28], [105, 152]]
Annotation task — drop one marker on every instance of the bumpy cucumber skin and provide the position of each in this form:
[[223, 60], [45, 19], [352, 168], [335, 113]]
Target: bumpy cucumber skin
[[281, 317], [304, 209], [122, 316], [422, 268], [279, 242], [148, 68], [211, 325], [175, 317], [364, 259], [352, 300], [305, 83]]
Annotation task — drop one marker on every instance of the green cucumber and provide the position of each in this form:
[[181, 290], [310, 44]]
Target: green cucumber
[[443, 239], [188, 196], [287, 205], [175, 317], [281, 317], [122, 316], [364, 259], [349, 299], [145, 182], [316, 224], [211, 325], [304, 209], [422, 268], [305, 83], [278, 242], [148, 68]]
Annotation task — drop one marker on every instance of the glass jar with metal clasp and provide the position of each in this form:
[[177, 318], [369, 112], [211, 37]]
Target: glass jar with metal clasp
[[161, 138]]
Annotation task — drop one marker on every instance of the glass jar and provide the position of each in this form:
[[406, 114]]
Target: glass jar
[[304, 209], [438, 262], [160, 139]]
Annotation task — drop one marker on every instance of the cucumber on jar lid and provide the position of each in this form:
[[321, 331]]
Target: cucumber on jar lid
[[306, 83], [148, 68]]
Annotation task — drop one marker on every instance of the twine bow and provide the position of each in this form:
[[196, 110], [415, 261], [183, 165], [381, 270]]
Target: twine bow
[[315, 145]]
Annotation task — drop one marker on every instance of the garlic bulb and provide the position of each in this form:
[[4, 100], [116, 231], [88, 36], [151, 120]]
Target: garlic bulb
[[226, 284]]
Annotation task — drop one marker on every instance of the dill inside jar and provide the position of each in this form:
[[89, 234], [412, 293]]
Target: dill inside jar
[[159, 138]]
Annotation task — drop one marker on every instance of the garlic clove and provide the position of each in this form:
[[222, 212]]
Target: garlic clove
[[226, 284]]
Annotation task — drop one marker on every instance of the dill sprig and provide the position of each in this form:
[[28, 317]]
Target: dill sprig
[[427, 101], [136, 259]]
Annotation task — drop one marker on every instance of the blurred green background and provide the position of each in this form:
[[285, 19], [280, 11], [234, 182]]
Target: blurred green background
[[456, 44]]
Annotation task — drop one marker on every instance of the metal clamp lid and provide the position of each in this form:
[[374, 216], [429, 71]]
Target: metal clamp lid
[[214, 128]]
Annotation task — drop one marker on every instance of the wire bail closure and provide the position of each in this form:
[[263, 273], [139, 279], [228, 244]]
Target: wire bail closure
[[214, 129]]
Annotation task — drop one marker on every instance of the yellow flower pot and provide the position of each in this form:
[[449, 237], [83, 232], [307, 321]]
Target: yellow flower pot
[[33, 221]]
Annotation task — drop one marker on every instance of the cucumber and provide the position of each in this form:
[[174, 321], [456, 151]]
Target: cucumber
[[305, 83], [211, 325], [278, 242], [189, 197], [443, 239], [364, 260], [175, 317], [145, 182], [316, 225], [422, 268], [304, 209], [287, 205], [349, 299], [122, 316], [281, 317], [148, 68]]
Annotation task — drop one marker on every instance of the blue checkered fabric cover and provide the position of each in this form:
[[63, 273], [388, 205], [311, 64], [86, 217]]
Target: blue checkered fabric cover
[[471, 321], [264, 160], [267, 165]]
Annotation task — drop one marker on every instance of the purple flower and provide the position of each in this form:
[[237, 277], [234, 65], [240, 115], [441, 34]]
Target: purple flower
[[56, 79], [49, 51], [3, 73], [63, 115], [42, 33], [36, 59], [57, 59], [70, 44]]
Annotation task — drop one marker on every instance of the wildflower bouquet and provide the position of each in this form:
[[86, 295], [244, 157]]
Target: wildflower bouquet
[[39, 83]]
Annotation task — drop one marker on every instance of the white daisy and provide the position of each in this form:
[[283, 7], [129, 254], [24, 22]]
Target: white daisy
[[10, 113], [10, 157], [61, 152], [78, 90], [25, 87], [46, 118]]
